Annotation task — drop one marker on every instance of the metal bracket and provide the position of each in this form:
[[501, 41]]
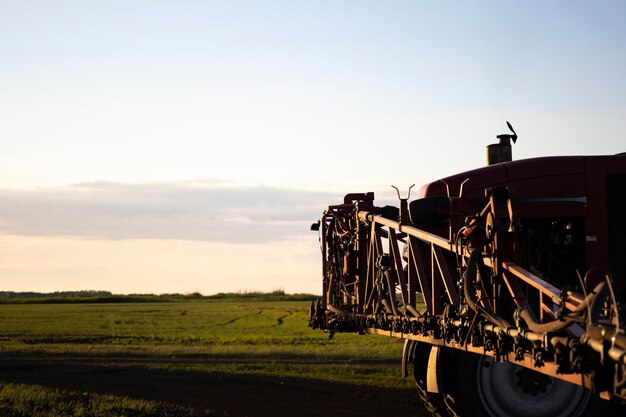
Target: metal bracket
[[404, 208]]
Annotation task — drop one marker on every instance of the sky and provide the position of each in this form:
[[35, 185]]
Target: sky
[[153, 146]]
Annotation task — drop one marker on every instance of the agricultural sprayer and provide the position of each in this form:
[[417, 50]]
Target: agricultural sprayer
[[507, 284]]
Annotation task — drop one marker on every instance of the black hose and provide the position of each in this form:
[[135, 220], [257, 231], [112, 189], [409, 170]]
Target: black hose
[[535, 326], [473, 270], [337, 311], [413, 311], [603, 333], [390, 308], [599, 292]]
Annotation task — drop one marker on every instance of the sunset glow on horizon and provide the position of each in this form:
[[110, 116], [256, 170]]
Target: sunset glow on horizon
[[158, 147]]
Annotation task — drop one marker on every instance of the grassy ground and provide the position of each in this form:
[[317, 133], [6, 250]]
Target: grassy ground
[[20, 400], [232, 337]]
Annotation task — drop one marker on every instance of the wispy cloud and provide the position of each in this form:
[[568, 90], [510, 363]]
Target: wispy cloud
[[198, 210]]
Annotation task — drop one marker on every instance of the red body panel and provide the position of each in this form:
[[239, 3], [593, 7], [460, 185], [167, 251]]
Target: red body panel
[[569, 186]]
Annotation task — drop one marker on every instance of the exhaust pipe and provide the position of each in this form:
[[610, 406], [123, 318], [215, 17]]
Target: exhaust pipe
[[501, 151]]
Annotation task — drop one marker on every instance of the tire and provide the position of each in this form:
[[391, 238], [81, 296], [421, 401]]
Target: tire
[[476, 386], [432, 402]]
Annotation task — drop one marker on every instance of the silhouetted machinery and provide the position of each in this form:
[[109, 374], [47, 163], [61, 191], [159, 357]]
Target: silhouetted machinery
[[507, 284]]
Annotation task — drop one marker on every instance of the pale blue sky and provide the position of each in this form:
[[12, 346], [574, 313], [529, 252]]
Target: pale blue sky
[[331, 96]]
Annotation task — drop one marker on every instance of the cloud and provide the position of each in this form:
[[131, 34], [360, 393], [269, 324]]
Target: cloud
[[199, 210]]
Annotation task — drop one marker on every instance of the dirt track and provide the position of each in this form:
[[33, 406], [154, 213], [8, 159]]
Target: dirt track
[[223, 394]]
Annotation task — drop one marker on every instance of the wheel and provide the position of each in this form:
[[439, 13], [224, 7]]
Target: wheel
[[477, 386], [432, 402]]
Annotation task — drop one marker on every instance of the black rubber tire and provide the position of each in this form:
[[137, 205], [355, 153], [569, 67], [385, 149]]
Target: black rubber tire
[[462, 392], [432, 402]]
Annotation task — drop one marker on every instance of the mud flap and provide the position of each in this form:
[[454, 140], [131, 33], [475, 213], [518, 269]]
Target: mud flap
[[407, 356], [433, 372]]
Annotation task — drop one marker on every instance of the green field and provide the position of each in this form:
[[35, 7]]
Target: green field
[[230, 337]]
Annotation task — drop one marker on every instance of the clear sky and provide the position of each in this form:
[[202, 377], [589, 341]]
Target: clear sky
[[152, 146]]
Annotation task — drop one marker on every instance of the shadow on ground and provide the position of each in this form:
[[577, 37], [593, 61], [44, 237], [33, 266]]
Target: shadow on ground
[[221, 394]]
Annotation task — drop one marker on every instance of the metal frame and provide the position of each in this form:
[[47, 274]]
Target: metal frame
[[360, 293]]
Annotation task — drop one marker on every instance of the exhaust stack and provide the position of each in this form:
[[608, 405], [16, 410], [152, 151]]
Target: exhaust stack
[[501, 151]]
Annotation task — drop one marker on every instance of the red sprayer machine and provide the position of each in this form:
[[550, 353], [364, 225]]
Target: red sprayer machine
[[507, 284]]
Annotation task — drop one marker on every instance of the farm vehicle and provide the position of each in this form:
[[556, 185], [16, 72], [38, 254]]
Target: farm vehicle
[[507, 284]]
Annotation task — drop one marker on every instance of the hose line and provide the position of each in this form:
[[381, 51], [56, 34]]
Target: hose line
[[473, 271]]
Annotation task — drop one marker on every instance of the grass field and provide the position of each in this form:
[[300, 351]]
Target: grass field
[[226, 337]]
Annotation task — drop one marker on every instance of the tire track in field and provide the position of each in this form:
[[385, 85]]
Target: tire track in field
[[280, 321], [238, 318]]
